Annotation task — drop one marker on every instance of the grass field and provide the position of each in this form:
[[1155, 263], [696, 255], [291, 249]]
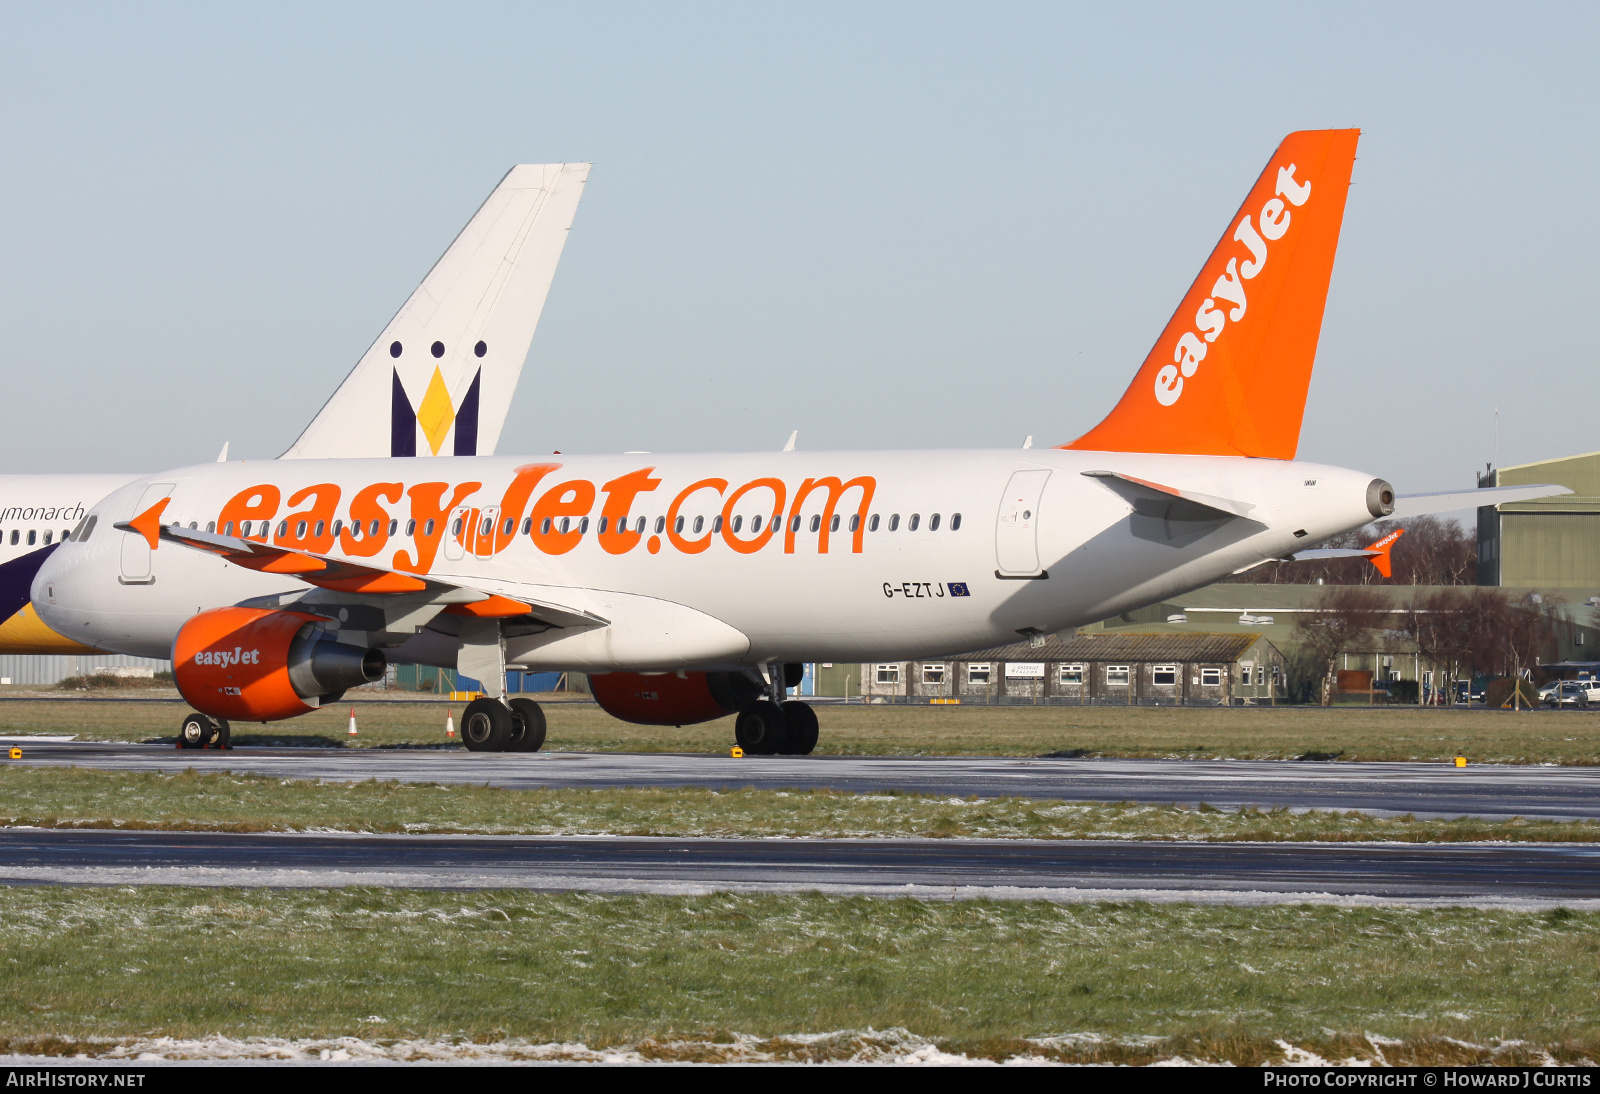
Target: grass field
[[63, 797], [1561, 737], [978, 977]]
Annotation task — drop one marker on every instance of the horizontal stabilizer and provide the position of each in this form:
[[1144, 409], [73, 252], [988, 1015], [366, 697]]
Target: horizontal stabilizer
[[1152, 499], [1376, 553], [1415, 505]]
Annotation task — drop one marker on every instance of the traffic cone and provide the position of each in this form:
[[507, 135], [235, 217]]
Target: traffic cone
[[352, 721], [449, 723]]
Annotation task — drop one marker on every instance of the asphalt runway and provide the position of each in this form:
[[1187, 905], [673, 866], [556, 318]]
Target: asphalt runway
[[1429, 790], [1064, 870]]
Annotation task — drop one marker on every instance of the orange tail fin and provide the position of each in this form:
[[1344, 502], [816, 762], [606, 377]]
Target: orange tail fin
[[1380, 558], [1228, 376]]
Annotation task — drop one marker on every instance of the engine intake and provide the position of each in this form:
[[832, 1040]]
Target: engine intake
[[258, 665]]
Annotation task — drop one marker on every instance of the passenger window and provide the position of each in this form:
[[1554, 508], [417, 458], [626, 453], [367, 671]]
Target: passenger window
[[527, 525], [227, 529], [794, 525], [677, 526], [661, 523], [602, 527], [955, 522], [566, 525], [816, 523], [322, 526], [509, 526], [833, 525], [933, 523], [640, 529], [488, 526], [394, 526], [427, 529], [872, 523], [755, 525], [211, 526], [355, 529], [411, 527], [373, 529], [283, 529], [583, 526], [716, 523], [738, 522], [855, 521], [544, 527], [14, 534], [894, 522], [916, 518], [47, 534], [699, 523], [33, 537], [455, 527]]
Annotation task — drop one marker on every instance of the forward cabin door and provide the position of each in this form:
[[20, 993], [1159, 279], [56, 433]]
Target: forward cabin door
[[1016, 540], [135, 548]]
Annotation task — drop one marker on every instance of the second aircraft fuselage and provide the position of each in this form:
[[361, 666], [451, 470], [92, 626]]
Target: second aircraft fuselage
[[711, 560]]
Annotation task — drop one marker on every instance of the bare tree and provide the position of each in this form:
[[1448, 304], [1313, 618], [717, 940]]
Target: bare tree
[[1342, 620]]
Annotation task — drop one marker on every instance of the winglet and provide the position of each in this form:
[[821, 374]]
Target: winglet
[[1380, 552], [148, 523]]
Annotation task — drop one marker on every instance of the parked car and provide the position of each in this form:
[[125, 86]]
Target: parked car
[[1470, 691], [1573, 693]]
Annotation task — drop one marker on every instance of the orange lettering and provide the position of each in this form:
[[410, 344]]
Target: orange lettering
[[835, 490], [620, 494], [310, 529], [364, 509], [690, 546], [573, 498], [252, 504], [429, 514], [516, 500], [751, 546]]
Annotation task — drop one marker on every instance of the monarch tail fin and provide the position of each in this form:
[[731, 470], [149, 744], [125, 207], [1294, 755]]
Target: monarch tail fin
[[439, 379], [1229, 374]]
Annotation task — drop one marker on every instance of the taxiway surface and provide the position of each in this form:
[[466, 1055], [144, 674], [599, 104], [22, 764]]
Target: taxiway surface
[[1065, 870], [1430, 790]]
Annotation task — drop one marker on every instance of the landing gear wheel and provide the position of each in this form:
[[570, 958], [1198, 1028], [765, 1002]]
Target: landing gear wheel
[[201, 731], [195, 731], [220, 740], [801, 721], [761, 728], [527, 726], [486, 726]]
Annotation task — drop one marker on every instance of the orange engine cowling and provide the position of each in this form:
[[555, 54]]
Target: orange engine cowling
[[257, 665], [672, 698]]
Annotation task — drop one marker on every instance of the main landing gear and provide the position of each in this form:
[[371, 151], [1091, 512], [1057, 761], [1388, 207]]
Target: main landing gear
[[768, 728], [203, 731], [490, 725]]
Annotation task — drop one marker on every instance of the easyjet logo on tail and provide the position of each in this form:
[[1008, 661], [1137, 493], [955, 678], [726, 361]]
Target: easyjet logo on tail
[[1211, 319]]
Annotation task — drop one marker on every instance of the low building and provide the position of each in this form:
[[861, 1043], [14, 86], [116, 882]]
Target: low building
[[1134, 668], [1546, 542]]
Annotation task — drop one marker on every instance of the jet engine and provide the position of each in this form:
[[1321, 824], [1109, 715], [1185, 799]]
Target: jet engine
[[257, 665], [672, 698]]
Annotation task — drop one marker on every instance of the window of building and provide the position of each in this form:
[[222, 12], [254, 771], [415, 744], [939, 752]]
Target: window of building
[[1211, 678], [933, 674], [888, 674], [977, 673], [1246, 671], [1117, 674], [1072, 674], [1166, 675]]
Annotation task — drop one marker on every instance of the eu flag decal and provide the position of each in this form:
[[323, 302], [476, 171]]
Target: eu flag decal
[[957, 588]]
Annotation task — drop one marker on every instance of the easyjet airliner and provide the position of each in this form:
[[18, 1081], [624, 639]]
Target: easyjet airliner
[[691, 586], [488, 289]]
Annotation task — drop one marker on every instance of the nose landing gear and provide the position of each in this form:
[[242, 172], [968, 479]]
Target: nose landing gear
[[204, 731]]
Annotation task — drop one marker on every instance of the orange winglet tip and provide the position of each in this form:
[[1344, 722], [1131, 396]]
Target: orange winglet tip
[[148, 523], [496, 607]]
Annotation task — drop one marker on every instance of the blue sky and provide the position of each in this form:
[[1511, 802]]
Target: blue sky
[[884, 225]]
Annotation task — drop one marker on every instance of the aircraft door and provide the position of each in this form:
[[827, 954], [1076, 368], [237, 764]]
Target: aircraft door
[[1016, 542], [135, 548], [457, 531]]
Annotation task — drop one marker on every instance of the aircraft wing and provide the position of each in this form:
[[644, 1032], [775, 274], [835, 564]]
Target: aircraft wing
[[1415, 505], [342, 576]]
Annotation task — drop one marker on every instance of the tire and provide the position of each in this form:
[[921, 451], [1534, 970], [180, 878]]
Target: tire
[[527, 726], [223, 736], [485, 726], [761, 729], [196, 731], [801, 722]]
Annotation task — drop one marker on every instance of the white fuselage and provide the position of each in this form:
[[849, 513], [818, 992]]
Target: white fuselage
[[1034, 553]]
